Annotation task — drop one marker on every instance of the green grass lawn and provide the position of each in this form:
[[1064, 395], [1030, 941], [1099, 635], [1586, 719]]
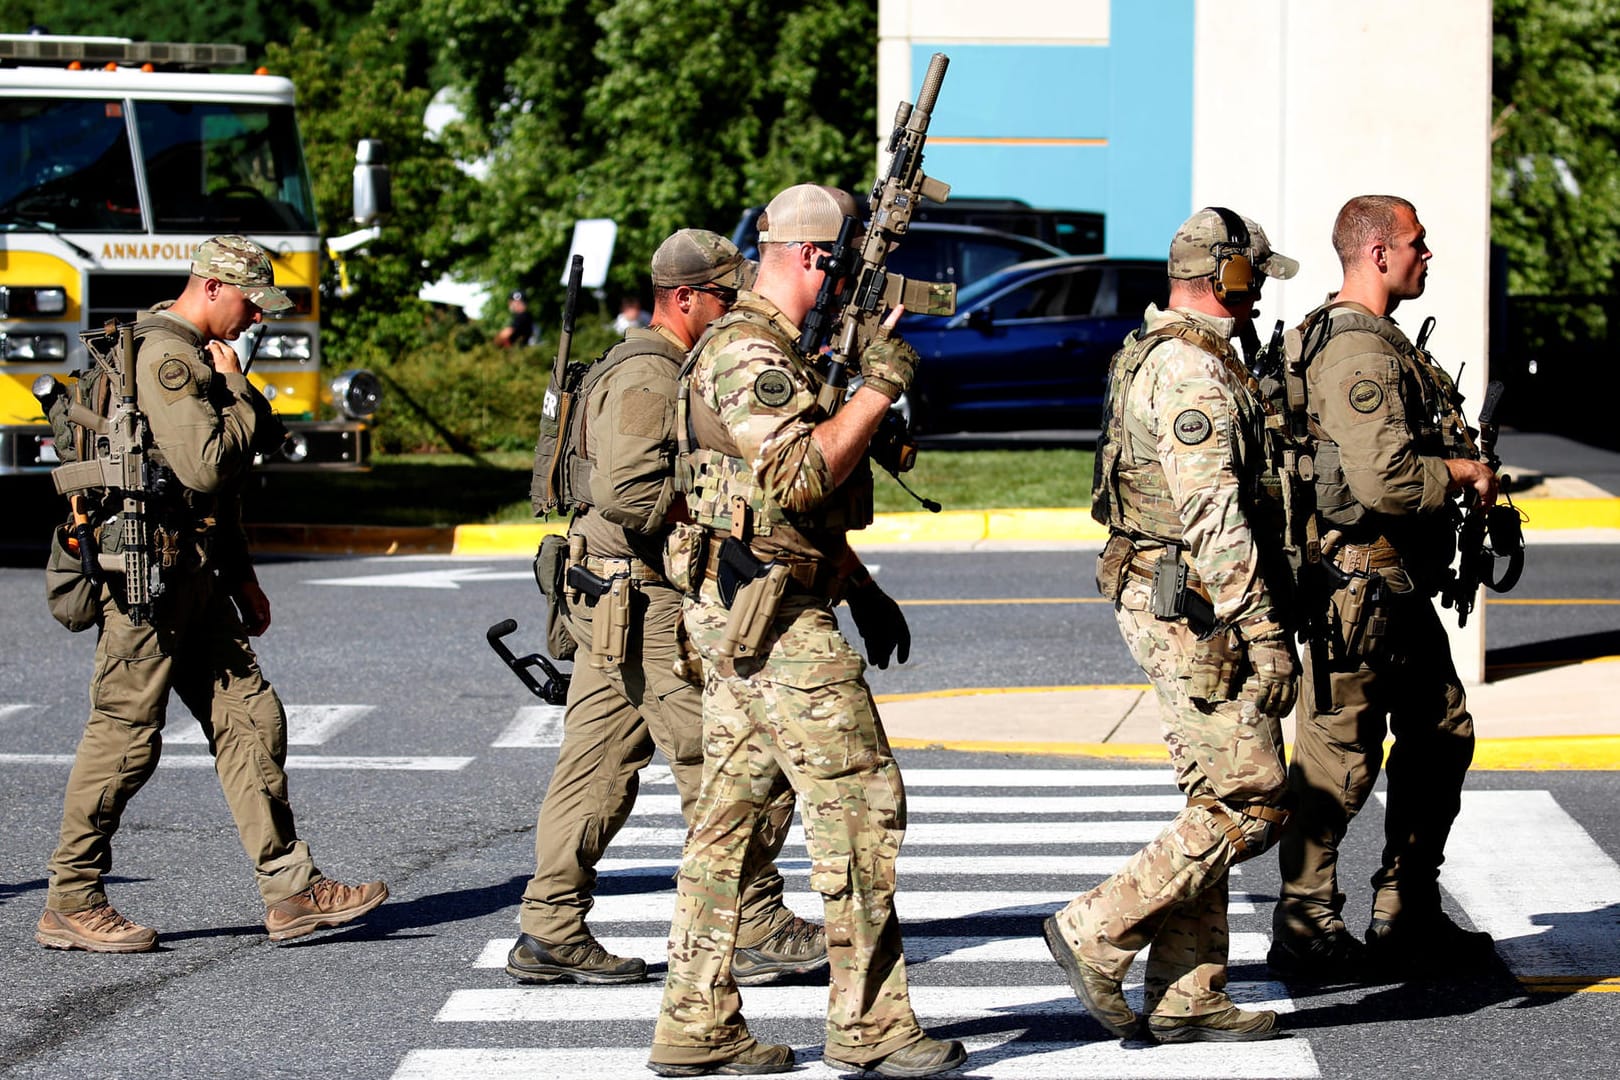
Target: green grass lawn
[[453, 489]]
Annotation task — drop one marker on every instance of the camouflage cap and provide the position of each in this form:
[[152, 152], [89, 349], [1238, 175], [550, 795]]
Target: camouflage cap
[[238, 261], [806, 213], [697, 257], [1192, 252]]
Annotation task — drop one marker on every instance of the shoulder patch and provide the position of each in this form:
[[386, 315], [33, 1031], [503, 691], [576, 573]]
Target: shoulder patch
[[1192, 427], [1366, 395], [773, 388], [173, 374]]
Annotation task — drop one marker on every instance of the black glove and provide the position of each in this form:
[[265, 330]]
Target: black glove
[[1277, 673], [883, 628]]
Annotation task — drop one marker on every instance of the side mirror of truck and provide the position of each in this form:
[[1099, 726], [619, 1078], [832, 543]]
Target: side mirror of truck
[[373, 196]]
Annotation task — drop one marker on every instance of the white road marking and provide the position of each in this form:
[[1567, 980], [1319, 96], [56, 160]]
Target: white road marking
[[957, 833], [1528, 874], [1074, 779], [448, 578], [9, 711], [951, 865], [307, 725], [537, 725], [914, 905], [923, 806], [294, 761]]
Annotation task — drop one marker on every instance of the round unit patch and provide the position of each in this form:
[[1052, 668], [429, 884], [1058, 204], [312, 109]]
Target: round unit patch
[[173, 374], [773, 388], [1192, 427], [1366, 396]]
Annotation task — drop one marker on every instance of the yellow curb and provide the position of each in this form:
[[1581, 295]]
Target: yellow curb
[[1555, 514], [489, 540], [1570, 984], [1141, 753]]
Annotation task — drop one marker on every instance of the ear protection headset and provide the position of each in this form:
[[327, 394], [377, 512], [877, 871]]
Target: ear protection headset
[[1235, 279]]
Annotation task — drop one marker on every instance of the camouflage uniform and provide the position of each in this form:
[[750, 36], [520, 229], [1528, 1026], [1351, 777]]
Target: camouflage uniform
[[203, 424], [1378, 405], [619, 709], [799, 707], [1186, 459]]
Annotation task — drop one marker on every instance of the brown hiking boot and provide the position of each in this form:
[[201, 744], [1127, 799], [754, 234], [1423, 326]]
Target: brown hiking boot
[[1101, 995], [797, 947], [533, 961], [925, 1057], [325, 903], [756, 1060], [1230, 1025], [96, 929]]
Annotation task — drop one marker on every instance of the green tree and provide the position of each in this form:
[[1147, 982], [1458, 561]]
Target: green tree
[[1556, 144], [655, 113]]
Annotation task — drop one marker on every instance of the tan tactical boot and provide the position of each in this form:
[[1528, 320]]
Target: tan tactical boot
[[925, 1057], [1101, 995], [97, 929], [533, 961], [1231, 1025], [797, 947], [756, 1060], [325, 903]]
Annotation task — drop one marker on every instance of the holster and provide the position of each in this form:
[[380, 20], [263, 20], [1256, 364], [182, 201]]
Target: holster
[[753, 610], [610, 621], [1175, 596]]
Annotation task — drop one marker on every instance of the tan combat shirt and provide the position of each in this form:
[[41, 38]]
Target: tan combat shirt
[[1183, 412]]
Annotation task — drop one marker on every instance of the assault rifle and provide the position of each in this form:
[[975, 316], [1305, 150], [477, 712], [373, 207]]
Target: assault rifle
[[554, 691], [118, 465], [1485, 534], [546, 489], [858, 291]]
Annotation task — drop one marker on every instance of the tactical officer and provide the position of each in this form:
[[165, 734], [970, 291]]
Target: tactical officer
[[203, 417], [1393, 454], [776, 484], [625, 698], [1186, 567]]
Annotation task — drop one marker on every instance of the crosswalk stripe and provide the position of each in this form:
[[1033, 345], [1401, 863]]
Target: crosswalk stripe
[[1011, 1056], [958, 833], [914, 905], [294, 762], [909, 865], [932, 1004], [307, 725], [8, 711], [920, 806], [968, 949], [1529, 875], [535, 725], [1011, 778]]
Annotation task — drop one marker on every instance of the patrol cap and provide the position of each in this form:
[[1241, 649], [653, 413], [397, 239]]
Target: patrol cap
[[1192, 252], [806, 213], [238, 261], [696, 257]]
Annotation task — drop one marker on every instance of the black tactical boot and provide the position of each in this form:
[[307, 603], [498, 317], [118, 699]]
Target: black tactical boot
[[1417, 945], [1331, 957], [795, 948], [533, 961]]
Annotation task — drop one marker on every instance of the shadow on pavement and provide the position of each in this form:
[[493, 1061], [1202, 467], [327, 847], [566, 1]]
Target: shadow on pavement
[[1556, 652]]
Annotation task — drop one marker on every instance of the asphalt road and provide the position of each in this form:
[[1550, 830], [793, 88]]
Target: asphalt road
[[408, 783]]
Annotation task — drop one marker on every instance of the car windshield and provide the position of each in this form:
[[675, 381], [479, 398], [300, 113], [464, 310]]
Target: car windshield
[[978, 292], [65, 164], [215, 167]]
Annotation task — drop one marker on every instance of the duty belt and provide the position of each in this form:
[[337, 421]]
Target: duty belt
[[631, 567], [1365, 558], [814, 576], [1144, 564]]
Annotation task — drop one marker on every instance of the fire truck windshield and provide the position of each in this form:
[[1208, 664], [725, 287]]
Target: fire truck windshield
[[66, 164]]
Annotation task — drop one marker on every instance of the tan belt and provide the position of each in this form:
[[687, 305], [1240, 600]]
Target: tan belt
[[1364, 558], [815, 577], [1145, 567], [633, 568]]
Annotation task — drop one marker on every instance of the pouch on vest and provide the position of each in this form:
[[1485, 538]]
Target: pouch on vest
[[69, 592], [1111, 565], [1212, 668], [549, 563], [685, 553]]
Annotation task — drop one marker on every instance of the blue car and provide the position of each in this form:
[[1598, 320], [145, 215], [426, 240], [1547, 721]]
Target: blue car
[[1029, 345]]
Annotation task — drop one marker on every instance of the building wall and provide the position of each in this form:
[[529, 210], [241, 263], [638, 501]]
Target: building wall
[[1281, 109]]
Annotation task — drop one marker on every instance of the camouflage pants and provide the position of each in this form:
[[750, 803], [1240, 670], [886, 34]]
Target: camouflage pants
[[801, 711], [1172, 894], [195, 646], [616, 715], [1409, 683]]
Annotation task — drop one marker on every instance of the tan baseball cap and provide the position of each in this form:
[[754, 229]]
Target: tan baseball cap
[[238, 261], [1192, 252], [697, 257], [806, 213]]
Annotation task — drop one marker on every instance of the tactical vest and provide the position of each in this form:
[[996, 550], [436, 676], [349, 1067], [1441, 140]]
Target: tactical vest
[[711, 470], [1131, 496], [1436, 422], [562, 463]]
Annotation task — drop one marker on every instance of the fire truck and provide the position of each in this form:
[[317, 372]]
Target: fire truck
[[117, 158]]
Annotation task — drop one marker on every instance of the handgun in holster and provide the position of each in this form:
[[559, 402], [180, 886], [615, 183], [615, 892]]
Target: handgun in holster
[[750, 588], [610, 618], [1175, 598]]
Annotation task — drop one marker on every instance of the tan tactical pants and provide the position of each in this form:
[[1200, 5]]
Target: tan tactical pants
[[616, 714], [195, 645], [803, 712], [1172, 894], [1410, 684]]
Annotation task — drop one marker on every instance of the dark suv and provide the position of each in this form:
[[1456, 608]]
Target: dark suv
[[1029, 345]]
